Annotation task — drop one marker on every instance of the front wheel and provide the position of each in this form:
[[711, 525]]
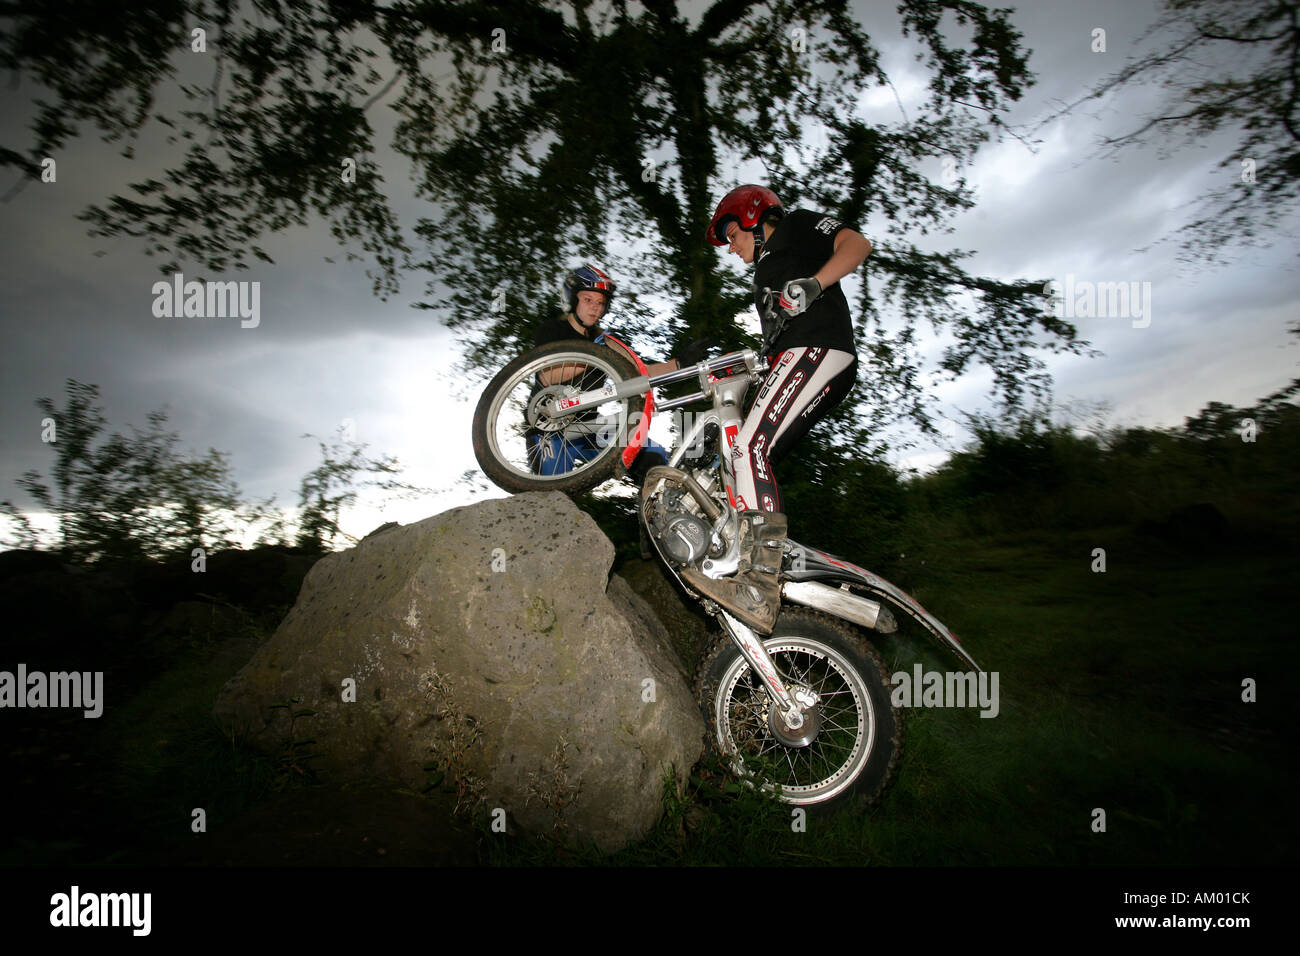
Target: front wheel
[[856, 733], [522, 446]]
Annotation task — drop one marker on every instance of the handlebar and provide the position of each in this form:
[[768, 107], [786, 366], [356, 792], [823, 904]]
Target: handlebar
[[774, 317], [748, 357], [637, 386]]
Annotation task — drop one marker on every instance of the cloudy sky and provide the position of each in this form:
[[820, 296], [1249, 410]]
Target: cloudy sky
[[326, 351]]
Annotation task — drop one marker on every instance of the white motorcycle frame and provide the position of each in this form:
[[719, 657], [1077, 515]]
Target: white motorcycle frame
[[804, 585]]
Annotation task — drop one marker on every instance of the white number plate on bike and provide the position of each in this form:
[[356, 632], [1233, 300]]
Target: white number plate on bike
[[566, 403]]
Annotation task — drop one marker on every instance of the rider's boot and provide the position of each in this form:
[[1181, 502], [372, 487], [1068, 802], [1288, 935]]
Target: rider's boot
[[753, 593]]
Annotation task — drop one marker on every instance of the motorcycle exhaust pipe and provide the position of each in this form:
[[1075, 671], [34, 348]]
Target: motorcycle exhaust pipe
[[841, 603], [707, 504]]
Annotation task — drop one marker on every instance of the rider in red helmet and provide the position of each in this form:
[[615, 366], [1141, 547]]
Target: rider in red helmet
[[799, 258]]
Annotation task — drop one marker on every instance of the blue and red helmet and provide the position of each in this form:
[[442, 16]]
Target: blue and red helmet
[[588, 279], [747, 206]]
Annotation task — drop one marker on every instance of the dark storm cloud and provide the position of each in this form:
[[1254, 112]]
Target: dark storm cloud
[[326, 349]]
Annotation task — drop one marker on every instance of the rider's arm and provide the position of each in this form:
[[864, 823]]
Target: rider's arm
[[652, 368], [561, 373], [851, 250], [566, 372], [556, 330]]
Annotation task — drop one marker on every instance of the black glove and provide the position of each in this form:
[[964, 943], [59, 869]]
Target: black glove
[[692, 354]]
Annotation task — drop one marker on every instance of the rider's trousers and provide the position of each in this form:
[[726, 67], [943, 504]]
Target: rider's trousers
[[803, 385]]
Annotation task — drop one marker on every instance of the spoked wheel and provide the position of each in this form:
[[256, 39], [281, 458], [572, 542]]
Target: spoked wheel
[[523, 444], [852, 735]]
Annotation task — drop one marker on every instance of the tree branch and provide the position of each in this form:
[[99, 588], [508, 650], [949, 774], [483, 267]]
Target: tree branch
[[720, 16], [1225, 36], [534, 31]]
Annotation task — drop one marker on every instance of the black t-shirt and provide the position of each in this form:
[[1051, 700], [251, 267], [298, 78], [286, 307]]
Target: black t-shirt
[[556, 330], [559, 330], [797, 248]]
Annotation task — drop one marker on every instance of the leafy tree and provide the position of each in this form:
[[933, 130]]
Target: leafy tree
[[335, 483], [1025, 472], [1217, 420], [848, 503], [128, 495], [546, 131], [137, 495], [1229, 65]]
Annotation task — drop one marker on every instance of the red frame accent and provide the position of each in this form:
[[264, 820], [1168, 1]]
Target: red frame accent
[[637, 441]]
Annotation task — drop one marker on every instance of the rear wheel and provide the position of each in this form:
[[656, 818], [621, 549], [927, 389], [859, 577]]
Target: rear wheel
[[523, 445], [853, 735]]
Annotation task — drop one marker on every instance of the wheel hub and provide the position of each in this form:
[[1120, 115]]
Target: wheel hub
[[538, 416], [805, 733]]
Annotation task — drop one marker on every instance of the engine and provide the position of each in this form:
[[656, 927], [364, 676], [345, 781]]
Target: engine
[[684, 537]]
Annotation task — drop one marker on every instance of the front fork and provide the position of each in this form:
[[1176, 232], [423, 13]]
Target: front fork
[[753, 651], [751, 648]]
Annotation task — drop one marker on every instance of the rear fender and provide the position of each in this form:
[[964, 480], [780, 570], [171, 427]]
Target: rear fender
[[808, 566]]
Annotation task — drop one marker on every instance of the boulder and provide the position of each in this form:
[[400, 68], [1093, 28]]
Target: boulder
[[689, 628], [487, 647]]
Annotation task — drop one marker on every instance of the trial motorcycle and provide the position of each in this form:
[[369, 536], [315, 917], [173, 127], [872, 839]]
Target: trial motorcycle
[[804, 713]]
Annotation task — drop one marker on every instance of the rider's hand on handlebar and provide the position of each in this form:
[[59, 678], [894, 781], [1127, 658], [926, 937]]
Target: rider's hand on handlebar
[[692, 354], [798, 294]]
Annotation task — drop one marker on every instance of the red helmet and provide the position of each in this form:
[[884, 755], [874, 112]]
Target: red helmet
[[746, 206]]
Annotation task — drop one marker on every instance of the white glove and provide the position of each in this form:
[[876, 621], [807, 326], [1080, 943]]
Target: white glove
[[798, 294]]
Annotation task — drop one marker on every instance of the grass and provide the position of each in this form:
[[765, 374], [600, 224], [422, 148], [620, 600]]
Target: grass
[[1120, 692]]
